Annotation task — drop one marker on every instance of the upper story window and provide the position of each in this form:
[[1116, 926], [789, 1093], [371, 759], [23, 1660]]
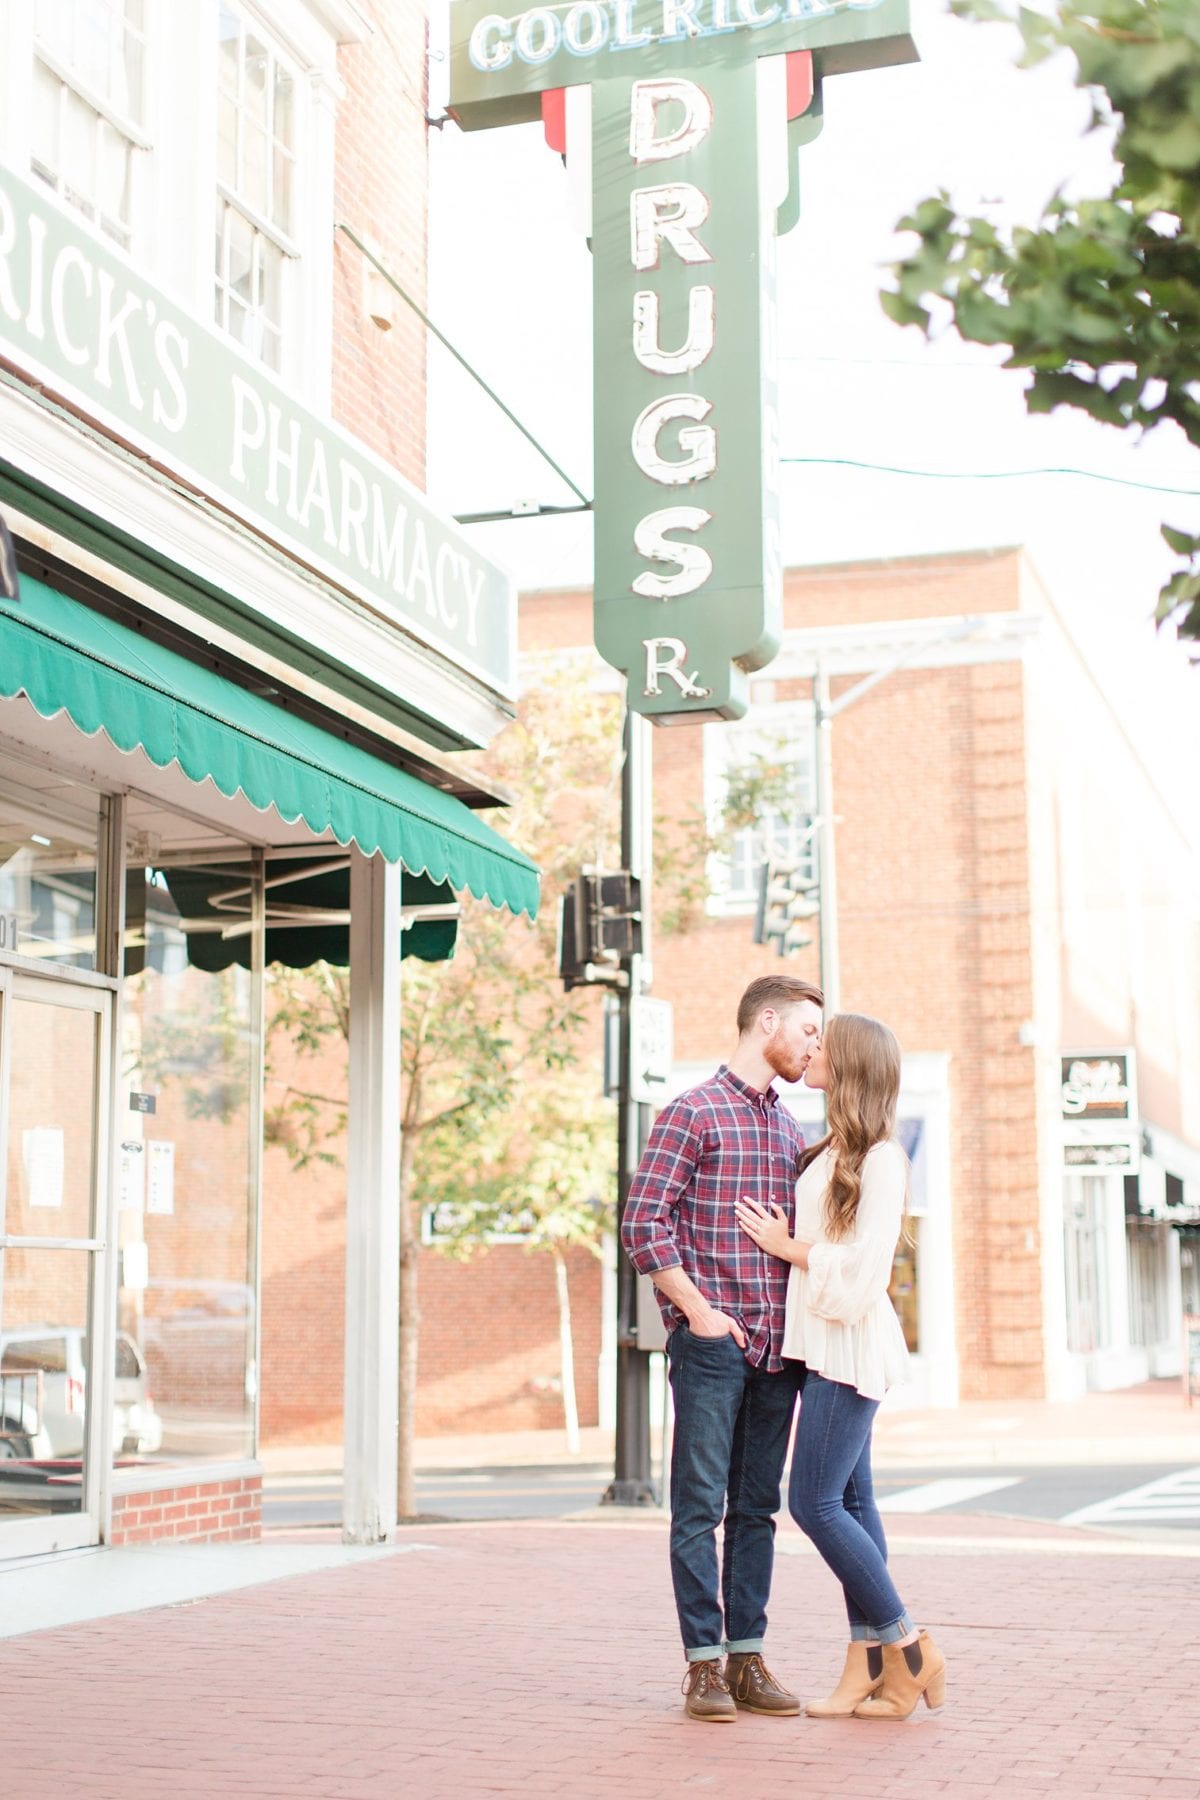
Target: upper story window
[[256, 164], [760, 799], [88, 115]]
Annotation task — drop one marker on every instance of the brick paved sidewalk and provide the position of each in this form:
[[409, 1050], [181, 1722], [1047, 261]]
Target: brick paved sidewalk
[[541, 1659]]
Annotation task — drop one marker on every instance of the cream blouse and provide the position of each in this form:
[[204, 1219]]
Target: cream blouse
[[840, 1321]]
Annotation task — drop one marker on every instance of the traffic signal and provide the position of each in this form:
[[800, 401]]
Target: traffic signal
[[787, 897], [600, 926]]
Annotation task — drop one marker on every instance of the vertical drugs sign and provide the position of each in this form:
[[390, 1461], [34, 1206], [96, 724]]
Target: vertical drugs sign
[[681, 121]]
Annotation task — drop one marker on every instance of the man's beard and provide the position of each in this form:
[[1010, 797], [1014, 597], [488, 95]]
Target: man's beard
[[786, 1061]]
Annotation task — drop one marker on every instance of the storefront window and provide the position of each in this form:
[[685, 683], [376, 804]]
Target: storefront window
[[904, 1292], [1146, 1250], [187, 1181], [1087, 1289], [48, 837], [905, 1289], [51, 1050], [1189, 1270]]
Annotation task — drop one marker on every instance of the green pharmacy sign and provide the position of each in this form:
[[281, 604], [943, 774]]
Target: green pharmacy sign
[[681, 122]]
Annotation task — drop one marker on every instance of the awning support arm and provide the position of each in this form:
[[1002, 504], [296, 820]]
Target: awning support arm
[[462, 361]]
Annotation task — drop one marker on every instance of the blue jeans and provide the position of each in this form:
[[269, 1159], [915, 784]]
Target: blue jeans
[[732, 1422], [832, 1499]]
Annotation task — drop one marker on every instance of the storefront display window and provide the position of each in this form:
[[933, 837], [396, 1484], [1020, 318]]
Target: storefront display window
[[1087, 1288], [187, 1181], [51, 1060], [48, 837], [905, 1289]]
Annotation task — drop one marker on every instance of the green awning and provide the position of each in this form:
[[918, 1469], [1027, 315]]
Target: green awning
[[106, 677], [197, 895]]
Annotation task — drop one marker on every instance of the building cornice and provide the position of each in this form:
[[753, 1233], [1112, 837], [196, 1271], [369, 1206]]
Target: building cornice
[[945, 641]]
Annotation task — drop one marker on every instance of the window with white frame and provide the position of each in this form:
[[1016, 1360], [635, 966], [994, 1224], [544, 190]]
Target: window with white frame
[[89, 107], [256, 167], [759, 798]]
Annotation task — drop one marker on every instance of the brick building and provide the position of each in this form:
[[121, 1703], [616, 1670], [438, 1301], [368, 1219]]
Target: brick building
[[1013, 921], [239, 656]]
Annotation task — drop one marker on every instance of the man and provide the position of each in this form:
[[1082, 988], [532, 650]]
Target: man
[[722, 1301]]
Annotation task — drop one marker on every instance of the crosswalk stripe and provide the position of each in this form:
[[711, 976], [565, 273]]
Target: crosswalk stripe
[[952, 1490], [1170, 1497]]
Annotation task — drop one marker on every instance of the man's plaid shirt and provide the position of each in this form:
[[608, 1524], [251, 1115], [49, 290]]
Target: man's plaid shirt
[[713, 1144]]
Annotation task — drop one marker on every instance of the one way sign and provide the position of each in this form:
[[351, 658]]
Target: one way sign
[[652, 1049]]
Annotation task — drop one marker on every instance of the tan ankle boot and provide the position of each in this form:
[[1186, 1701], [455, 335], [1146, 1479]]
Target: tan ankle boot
[[901, 1688], [856, 1683]]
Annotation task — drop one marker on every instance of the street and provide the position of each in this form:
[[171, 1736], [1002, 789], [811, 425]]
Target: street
[[1150, 1498]]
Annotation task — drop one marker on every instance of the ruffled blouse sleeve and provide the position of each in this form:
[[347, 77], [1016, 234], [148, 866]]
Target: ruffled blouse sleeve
[[846, 1279]]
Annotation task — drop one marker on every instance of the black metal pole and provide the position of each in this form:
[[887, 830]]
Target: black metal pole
[[631, 1484]]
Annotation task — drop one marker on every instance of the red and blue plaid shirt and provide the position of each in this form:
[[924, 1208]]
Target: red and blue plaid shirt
[[710, 1146]]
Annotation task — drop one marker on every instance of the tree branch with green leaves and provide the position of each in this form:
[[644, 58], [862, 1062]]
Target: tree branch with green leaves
[[1099, 299]]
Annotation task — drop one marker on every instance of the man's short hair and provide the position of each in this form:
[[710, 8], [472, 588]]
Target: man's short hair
[[777, 991]]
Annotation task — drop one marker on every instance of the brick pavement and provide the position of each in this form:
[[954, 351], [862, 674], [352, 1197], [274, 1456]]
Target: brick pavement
[[541, 1659]]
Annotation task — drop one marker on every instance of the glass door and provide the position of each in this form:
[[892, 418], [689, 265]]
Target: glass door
[[54, 1095]]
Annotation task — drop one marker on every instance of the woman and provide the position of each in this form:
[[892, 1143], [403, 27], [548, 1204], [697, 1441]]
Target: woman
[[850, 1201]]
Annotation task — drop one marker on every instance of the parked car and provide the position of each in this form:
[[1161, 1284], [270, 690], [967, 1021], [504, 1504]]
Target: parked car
[[198, 1337], [43, 1393]]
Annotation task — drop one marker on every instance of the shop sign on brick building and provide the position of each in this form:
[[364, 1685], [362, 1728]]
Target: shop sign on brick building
[[77, 318], [1099, 1109]]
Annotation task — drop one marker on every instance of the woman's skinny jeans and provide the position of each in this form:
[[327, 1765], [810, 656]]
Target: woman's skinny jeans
[[831, 1498]]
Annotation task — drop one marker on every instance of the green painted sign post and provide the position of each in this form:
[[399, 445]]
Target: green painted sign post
[[681, 108]]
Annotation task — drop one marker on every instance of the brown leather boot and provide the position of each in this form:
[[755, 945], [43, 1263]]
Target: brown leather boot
[[856, 1683], [903, 1685], [754, 1687], [706, 1692]]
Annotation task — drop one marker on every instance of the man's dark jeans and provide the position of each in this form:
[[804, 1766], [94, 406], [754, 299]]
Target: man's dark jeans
[[731, 1435]]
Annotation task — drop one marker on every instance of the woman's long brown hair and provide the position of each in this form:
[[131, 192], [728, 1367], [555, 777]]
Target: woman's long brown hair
[[863, 1058]]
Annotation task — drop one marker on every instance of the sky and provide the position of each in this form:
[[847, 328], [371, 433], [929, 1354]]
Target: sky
[[510, 286]]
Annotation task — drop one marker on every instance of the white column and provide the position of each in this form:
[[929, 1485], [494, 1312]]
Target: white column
[[372, 1202]]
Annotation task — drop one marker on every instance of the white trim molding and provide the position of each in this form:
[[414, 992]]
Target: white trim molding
[[944, 642]]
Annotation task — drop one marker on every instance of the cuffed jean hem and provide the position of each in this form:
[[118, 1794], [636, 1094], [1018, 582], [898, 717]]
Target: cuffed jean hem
[[886, 1634], [705, 1653], [744, 1646], [891, 1634]]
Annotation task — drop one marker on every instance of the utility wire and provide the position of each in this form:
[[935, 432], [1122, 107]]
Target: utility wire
[[847, 462], [458, 356]]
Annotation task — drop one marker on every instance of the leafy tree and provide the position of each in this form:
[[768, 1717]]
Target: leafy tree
[[489, 1038], [1100, 299], [542, 1173]]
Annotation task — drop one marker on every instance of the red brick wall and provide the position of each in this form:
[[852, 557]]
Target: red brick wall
[[225, 1512], [381, 183], [489, 1358], [489, 1341]]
